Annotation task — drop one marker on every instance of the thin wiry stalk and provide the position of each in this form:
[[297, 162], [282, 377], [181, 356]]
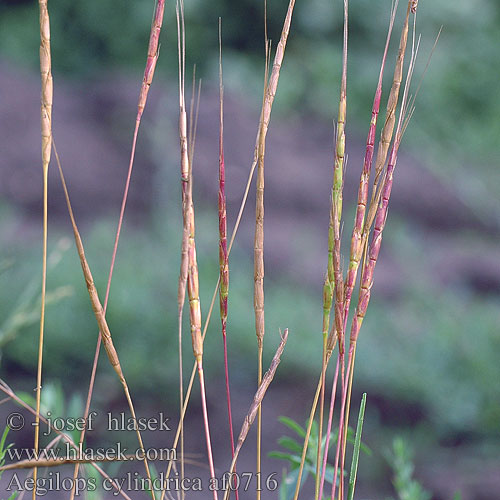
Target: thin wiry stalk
[[265, 118], [334, 272], [152, 58], [46, 130], [183, 274], [195, 317], [223, 258], [386, 136], [329, 426], [100, 317], [336, 281], [330, 345], [356, 239], [257, 400], [12, 395], [209, 316], [269, 93], [374, 247], [357, 248], [193, 283], [381, 213], [259, 270]]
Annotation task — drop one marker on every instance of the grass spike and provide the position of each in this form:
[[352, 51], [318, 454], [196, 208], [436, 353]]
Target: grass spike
[[223, 257], [151, 60], [100, 316], [12, 395]]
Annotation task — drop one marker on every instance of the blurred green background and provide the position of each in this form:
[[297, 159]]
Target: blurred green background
[[428, 353]]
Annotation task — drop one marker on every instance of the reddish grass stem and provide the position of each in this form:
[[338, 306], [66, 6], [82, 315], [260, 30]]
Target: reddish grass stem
[[223, 255]]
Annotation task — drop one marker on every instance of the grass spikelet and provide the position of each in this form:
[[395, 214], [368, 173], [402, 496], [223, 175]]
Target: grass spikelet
[[100, 317], [223, 254], [357, 445], [388, 128], [46, 129], [195, 320], [192, 265], [334, 255], [356, 239], [183, 274], [12, 395]]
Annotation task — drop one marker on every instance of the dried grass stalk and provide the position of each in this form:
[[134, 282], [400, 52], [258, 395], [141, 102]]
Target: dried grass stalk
[[46, 129], [12, 395], [257, 400], [152, 57], [100, 316]]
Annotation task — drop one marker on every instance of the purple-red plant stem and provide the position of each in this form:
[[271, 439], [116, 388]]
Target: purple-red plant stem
[[329, 426], [257, 400], [100, 316], [205, 421], [334, 227], [360, 245], [380, 219], [388, 128], [339, 444], [356, 239], [223, 257], [46, 132]]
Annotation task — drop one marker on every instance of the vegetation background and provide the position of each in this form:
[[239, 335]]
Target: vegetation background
[[428, 356]]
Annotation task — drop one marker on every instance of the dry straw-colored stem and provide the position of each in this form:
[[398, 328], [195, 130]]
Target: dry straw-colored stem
[[152, 57], [100, 316], [265, 117], [257, 400], [334, 283], [260, 146], [12, 395], [195, 320], [356, 239], [223, 254], [379, 168], [192, 264], [46, 128]]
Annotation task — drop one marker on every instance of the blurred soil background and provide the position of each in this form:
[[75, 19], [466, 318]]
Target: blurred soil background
[[428, 353]]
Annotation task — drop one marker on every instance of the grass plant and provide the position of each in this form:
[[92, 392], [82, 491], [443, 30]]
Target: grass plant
[[338, 287]]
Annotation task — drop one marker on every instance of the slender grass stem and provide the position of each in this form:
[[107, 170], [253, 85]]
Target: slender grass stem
[[329, 426], [101, 319], [259, 396], [7, 390], [223, 254], [46, 131], [330, 346], [206, 425], [152, 58]]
